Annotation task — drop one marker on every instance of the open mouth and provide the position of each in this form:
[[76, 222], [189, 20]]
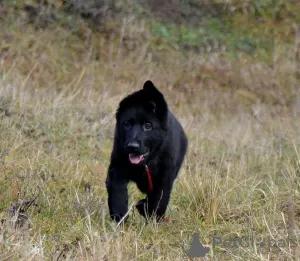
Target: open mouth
[[136, 158]]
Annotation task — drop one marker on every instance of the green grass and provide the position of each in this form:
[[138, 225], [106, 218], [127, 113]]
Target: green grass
[[253, 33]]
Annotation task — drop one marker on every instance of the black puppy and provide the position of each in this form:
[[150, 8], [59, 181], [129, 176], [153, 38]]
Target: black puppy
[[149, 148]]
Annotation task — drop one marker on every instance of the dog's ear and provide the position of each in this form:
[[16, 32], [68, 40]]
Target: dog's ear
[[149, 86], [152, 91], [158, 101]]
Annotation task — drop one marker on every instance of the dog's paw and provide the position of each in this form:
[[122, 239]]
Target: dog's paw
[[141, 207]]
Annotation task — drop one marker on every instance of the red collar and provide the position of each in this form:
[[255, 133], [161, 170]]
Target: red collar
[[149, 178]]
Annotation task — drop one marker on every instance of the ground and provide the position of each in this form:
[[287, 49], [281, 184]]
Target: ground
[[239, 103]]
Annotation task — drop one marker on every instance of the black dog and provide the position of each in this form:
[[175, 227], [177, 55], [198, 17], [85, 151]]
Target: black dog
[[149, 148]]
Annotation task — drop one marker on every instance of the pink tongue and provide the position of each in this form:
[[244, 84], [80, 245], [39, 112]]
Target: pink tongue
[[135, 159]]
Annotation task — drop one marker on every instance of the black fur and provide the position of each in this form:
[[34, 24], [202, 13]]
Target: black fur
[[145, 126]]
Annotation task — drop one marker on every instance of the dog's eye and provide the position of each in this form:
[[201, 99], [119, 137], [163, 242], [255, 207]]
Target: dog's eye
[[126, 124], [147, 126]]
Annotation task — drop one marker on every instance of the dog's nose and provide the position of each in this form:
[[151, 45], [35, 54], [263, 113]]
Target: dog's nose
[[133, 145]]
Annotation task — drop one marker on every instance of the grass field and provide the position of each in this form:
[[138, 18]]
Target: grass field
[[59, 88]]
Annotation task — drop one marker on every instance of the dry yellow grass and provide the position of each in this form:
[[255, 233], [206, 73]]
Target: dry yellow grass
[[57, 101]]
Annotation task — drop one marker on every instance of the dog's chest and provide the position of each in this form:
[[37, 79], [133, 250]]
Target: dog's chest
[[141, 178]]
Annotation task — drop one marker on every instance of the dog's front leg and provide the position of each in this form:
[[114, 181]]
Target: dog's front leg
[[156, 203], [116, 186]]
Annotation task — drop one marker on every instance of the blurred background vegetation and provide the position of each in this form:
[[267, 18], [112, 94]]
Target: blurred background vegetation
[[221, 40], [248, 26]]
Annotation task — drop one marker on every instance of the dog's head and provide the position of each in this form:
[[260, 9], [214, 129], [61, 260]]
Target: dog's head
[[142, 123]]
